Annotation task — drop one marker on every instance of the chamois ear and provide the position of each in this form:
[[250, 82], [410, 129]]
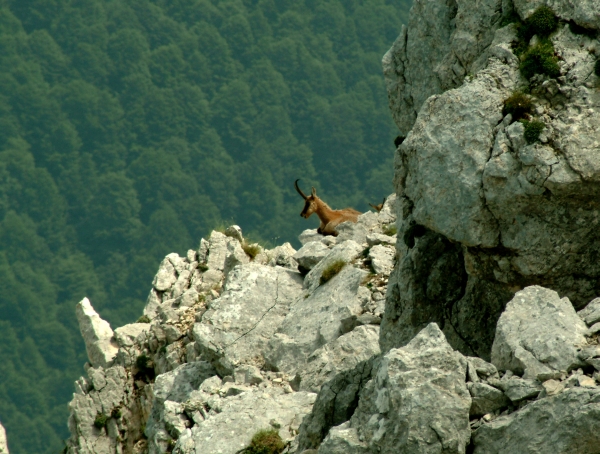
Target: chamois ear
[[314, 192]]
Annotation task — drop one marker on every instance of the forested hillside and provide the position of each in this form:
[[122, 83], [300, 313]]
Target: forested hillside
[[130, 128]]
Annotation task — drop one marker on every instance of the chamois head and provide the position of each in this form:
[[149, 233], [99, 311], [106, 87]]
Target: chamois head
[[310, 202]]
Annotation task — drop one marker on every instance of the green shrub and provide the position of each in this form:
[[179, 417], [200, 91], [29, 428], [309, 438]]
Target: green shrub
[[251, 250], [115, 413], [143, 319], [266, 441], [332, 270], [542, 22], [533, 129], [510, 19], [202, 267], [517, 104], [540, 59], [100, 420], [597, 67]]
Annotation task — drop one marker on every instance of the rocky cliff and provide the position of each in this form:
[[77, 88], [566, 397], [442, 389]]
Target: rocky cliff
[[475, 328]]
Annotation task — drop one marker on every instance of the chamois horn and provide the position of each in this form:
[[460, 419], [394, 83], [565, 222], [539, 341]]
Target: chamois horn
[[299, 190]]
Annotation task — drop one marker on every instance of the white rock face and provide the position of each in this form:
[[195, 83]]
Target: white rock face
[[254, 303], [3, 442], [97, 335], [538, 335], [418, 401]]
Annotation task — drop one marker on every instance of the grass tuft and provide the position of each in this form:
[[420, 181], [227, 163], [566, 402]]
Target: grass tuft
[[143, 319], [533, 129], [390, 229], [518, 104], [542, 22], [100, 420], [332, 270], [540, 59], [266, 441], [252, 250]]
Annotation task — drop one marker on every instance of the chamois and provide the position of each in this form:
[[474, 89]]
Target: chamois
[[380, 206], [330, 219]]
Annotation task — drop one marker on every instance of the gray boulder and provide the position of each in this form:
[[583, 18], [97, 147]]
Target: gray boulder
[[382, 259], [485, 399], [238, 324], [339, 355], [240, 417], [566, 423], [314, 320], [538, 335], [310, 254], [335, 404], [343, 439], [417, 401], [346, 251], [590, 314], [97, 335]]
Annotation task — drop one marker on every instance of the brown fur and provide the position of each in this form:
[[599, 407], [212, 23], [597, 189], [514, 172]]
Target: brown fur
[[330, 218]]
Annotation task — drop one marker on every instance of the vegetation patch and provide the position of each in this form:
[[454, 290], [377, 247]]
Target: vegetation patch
[[533, 129], [143, 319], [203, 267], [145, 368], [116, 413], [597, 68], [252, 250], [390, 229], [100, 420], [518, 105], [266, 441], [332, 270], [542, 23], [540, 59]]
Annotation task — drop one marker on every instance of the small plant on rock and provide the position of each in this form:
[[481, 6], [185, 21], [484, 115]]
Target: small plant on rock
[[100, 420], [116, 413], [390, 229], [143, 319], [540, 59], [266, 441], [533, 129], [332, 270], [252, 250], [542, 22], [518, 104]]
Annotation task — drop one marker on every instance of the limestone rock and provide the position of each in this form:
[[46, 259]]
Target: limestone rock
[[3, 442], [346, 251], [343, 439], [342, 354], [237, 325], [417, 401], [310, 235], [310, 254], [382, 259], [315, 320], [125, 336], [538, 335], [485, 399], [240, 417], [96, 333], [590, 314], [166, 276], [566, 423], [335, 404], [583, 12], [517, 389]]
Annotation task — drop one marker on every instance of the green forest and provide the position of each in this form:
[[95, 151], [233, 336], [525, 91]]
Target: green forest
[[129, 129]]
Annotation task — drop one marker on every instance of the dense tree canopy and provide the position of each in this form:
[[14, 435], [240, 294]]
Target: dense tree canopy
[[130, 128]]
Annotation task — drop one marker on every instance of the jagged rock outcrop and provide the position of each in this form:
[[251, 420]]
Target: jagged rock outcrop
[[97, 335], [484, 212], [226, 338]]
